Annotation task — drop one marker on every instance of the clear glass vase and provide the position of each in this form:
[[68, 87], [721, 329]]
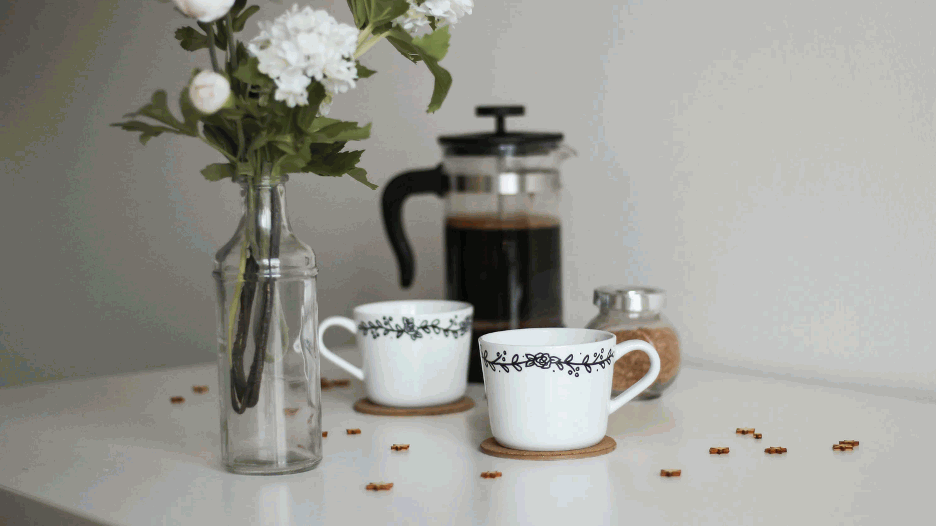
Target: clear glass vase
[[271, 412]]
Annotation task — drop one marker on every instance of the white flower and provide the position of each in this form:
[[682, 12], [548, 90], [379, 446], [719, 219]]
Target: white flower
[[209, 91], [443, 11], [204, 10], [413, 20], [302, 45]]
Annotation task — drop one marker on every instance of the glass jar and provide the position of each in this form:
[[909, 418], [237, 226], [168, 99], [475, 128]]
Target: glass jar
[[271, 411], [634, 313]]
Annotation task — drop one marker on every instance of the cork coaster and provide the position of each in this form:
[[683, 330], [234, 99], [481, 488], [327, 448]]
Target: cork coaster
[[370, 408], [491, 447]]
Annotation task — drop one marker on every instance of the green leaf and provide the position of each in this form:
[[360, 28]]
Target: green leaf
[[380, 11], [335, 165], [249, 72], [189, 113], [305, 117], [363, 71], [147, 131], [191, 39], [220, 37], [285, 143], [328, 160], [289, 164], [318, 123], [404, 44], [220, 140], [443, 79], [237, 7], [341, 132], [434, 44], [359, 10], [316, 95], [360, 175], [158, 110], [218, 171], [443, 82], [241, 19]]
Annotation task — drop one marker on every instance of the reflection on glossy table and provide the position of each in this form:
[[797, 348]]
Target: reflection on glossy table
[[115, 451]]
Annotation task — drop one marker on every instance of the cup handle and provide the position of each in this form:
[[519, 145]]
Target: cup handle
[[345, 323], [628, 347]]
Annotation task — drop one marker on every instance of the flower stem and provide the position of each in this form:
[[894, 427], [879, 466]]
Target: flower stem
[[365, 33], [232, 47], [365, 46], [211, 49], [236, 298]]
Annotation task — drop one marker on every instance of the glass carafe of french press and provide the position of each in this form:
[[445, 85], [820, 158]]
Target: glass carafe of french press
[[502, 229]]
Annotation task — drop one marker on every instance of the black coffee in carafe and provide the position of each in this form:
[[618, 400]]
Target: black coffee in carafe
[[509, 269], [502, 232]]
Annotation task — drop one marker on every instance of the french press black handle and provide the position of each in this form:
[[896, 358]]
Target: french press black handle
[[397, 190]]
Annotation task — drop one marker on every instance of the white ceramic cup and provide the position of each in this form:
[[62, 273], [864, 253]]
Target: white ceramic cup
[[549, 389], [415, 351]]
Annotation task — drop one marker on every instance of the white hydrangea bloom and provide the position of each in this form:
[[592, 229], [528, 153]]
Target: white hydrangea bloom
[[305, 44], [443, 11]]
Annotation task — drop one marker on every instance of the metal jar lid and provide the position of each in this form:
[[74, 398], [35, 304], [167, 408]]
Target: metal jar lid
[[636, 300]]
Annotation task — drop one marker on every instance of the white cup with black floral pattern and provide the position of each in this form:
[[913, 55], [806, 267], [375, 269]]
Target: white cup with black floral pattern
[[550, 389], [415, 352]]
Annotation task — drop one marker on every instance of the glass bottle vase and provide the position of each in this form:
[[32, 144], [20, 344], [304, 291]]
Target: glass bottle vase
[[271, 412]]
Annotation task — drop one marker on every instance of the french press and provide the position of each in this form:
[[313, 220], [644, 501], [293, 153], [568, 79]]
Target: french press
[[502, 231]]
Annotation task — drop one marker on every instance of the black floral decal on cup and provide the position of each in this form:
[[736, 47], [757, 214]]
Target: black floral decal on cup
[[546, 361], [387, 327]]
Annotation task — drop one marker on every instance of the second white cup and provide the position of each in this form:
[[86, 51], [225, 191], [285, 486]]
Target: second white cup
[[415, 352], [550, 389]]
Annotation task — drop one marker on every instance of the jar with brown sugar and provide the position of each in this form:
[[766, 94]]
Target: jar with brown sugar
[[635, 313]]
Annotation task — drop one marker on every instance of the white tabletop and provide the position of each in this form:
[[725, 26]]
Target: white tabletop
[[113, 449]]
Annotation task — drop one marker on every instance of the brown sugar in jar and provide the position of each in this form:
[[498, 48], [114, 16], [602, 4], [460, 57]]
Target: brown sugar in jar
[[634, 313]]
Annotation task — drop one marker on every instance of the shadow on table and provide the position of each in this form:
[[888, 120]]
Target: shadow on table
[[27, 511]]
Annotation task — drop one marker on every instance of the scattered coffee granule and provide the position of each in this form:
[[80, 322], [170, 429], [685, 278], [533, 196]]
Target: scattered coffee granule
[[775, 450], [633, 366], [399, 447], [199, 389], [491, 474], [842, 447], [718, 451], [758, 436], [353, 431], [378, 486], [324, 434], [745, 431], [177, 399], [290, 411], [670, 472], [852, 443], [328, 384]]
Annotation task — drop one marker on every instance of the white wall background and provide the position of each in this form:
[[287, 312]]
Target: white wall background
[[768, 163]]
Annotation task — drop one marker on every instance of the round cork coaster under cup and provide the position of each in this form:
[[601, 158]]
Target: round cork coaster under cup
[[370, 408], [493, 448]]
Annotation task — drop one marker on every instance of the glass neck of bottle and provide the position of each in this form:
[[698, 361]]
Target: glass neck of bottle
[[265, 216]]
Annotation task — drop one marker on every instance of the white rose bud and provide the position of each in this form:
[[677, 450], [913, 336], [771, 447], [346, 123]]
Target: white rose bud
[[204, 10], [209, 92]]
